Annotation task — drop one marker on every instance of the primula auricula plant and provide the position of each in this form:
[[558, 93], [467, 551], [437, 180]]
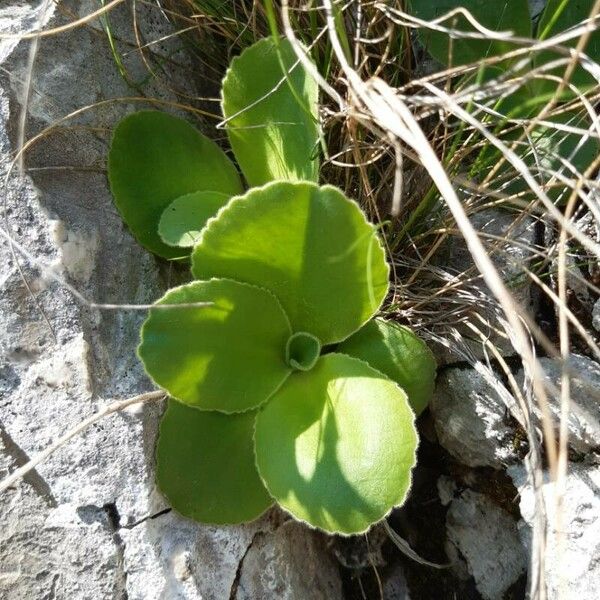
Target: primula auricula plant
[[283, 388]]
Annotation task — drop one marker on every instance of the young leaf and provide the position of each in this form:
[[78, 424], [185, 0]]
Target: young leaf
[[155, 158], [229, 356], [184, 218], [272, 119], [335, 445], [507, 15], [302, 351], [398, 353], [205, 465], [311, 246]]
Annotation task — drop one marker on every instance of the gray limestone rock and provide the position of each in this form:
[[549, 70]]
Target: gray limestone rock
[[572, 559], [288, 564], [584, 412], [470, 419], [88, 522], [488, 540]]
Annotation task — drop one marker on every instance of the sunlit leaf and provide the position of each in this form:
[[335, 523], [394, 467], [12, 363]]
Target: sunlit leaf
[[272, 119], [503, 15], [229, 356], [398, 353], [154, 159], [182, 221], [335, 445], [309, 245], [205, 465]]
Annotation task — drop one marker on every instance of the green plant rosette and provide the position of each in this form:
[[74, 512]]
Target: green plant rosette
[[259, 412]]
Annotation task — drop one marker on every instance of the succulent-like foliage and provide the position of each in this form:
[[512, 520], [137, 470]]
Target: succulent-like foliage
[[270, 103], [307, 244], [154, 159], [261, 409], [398, 353]]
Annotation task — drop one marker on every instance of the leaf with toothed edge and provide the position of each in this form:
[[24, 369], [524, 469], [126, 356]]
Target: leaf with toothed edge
[[205, 465], [273, 129], [155, 158], [182, 221], [335, 445], [310, 246], [398, 353], [229, 356]]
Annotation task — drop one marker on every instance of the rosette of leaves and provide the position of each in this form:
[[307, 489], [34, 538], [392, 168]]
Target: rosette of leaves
[[283, 389], [260, 413]]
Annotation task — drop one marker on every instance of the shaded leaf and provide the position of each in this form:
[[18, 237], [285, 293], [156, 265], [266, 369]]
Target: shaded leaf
[[504, 15], [546, 152], [155, 158], [229, 356], [309, 245], [273, 130], [205, 465], [398, 353], [182, 221], [558, 16], [335, 446]]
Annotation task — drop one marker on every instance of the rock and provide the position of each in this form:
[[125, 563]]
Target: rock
[[584, 413], [395, 586], [88, 523], [576, 563], [173, 558], [596, 315], [487, 538], [288, 564], [470, 419]]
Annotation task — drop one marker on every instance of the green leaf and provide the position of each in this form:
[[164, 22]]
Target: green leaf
[[552, 147], [155, 158], [229, 356], [504, 15], [335, 446], [398, 353], [309, 245], [558, 16], [302, 351], [272, 118], [205, 465], [184, 218]]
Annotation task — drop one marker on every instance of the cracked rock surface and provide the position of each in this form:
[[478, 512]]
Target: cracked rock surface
[[88, 522]]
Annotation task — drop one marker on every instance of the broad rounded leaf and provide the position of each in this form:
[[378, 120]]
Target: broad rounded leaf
[[273, 130], [155, 158], [229, 356], [182, 221], [309, 245], [558, 16], [205, 465], [335, 446], [507, 15], [398, 353]]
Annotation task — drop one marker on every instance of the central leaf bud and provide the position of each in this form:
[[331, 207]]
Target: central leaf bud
[[302, 351]]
